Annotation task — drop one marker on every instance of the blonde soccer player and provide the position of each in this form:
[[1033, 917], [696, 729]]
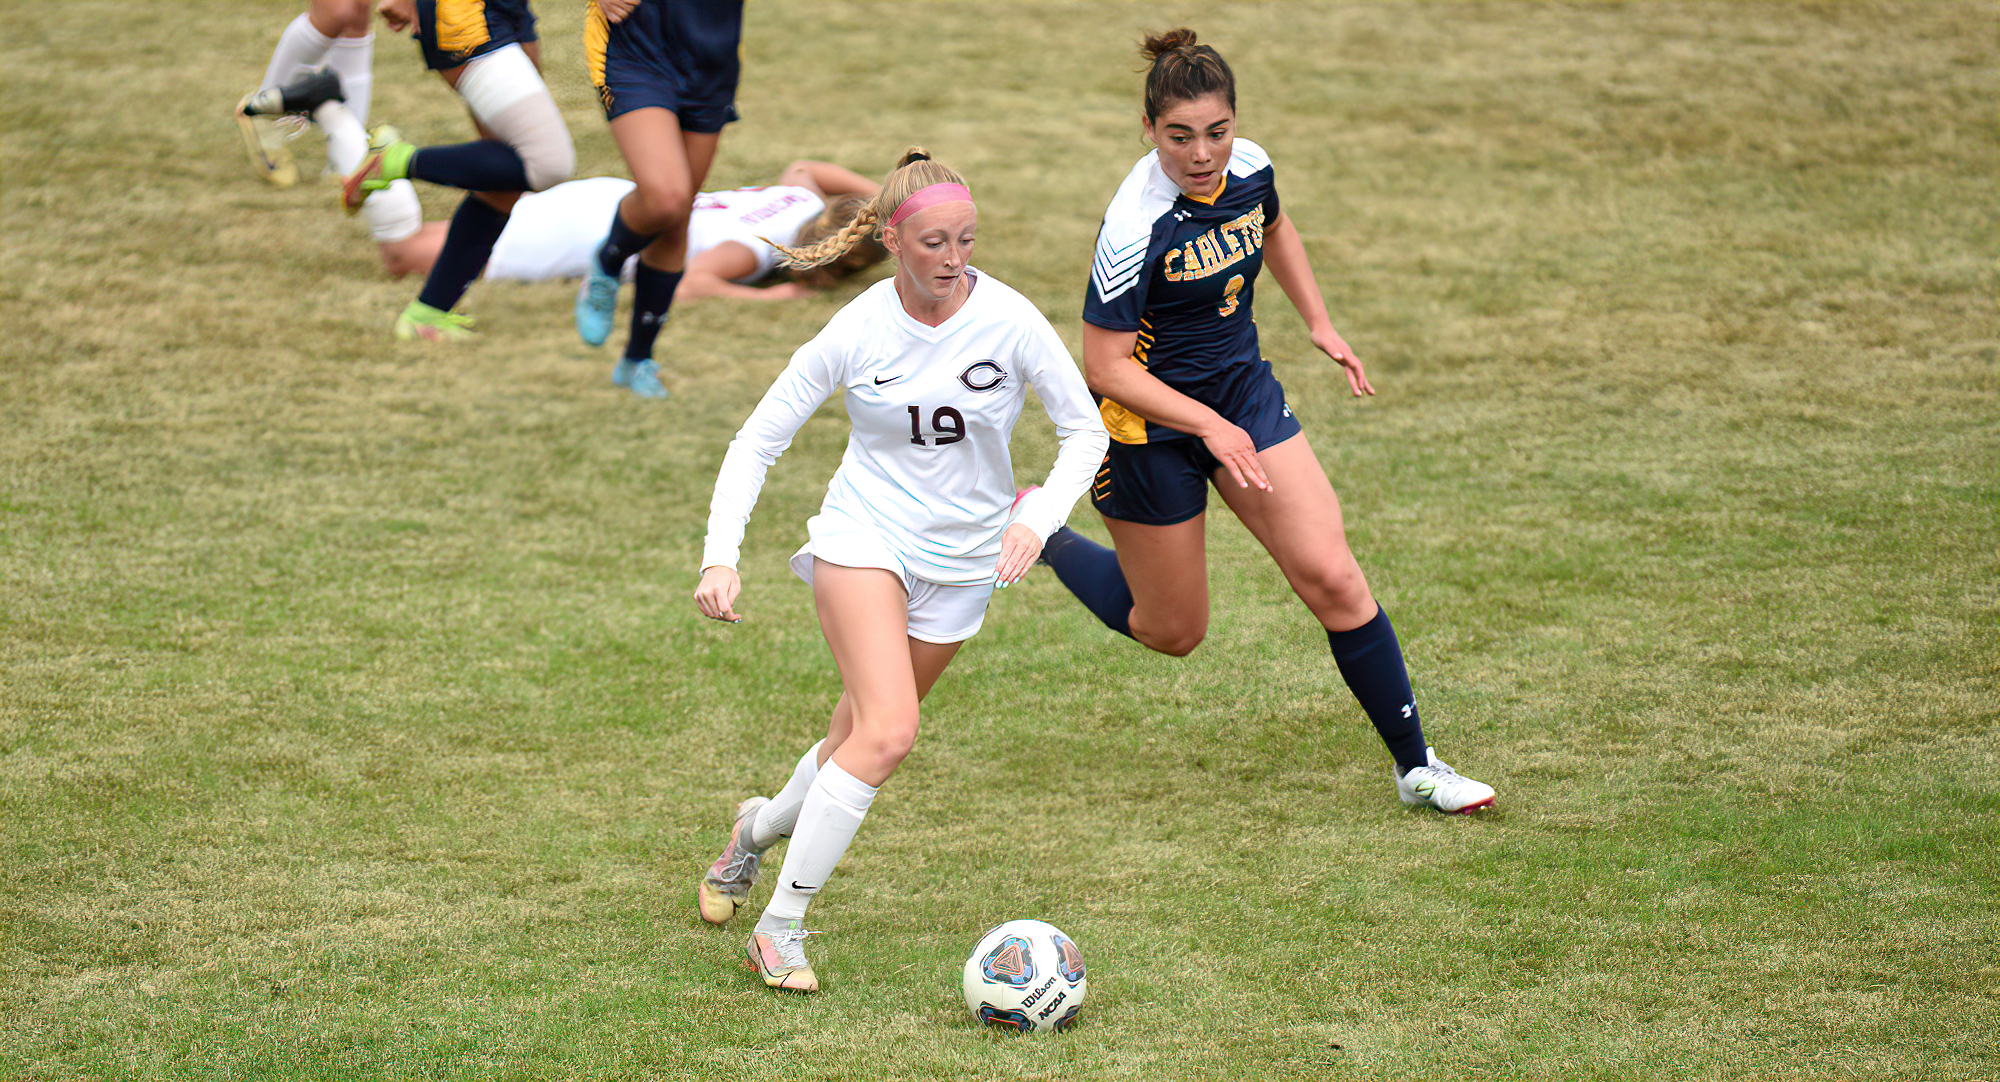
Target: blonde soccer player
[[1170, 346], [919, 525]]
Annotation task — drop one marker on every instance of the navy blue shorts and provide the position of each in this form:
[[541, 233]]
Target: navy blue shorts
[[679, 55], [1165, 482], [452, 32]]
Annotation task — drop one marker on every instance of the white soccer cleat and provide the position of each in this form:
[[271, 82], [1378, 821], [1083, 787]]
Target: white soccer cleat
[[780, 958], [1443, 788], [727, 885]]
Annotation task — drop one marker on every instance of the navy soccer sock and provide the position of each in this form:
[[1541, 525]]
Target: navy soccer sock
[[652, 296], [621, 244], [486, 165], [467, 244], [1371, 661], [1091, 572]]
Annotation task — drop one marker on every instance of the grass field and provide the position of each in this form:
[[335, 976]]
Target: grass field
[[355, 722]]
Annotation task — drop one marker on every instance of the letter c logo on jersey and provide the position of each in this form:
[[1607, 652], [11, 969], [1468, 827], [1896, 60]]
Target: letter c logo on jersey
[[983, 376]]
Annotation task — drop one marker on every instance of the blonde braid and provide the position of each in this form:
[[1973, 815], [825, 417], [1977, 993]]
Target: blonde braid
[[808, 256], [913, 171]]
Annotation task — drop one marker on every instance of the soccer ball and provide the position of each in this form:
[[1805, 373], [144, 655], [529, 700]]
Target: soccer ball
[[1026, 975]]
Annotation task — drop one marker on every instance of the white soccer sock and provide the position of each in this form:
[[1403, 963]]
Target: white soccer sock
[[353, 59], [832, 812], [775, 819], [300, 50], [392, 213]]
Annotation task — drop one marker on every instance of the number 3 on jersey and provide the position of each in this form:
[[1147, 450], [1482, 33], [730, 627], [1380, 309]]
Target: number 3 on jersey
[[1229, 298], [948, 423]]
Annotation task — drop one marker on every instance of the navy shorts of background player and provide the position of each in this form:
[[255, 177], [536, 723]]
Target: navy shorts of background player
[[452, 32], [1180, 271], [683, 56]]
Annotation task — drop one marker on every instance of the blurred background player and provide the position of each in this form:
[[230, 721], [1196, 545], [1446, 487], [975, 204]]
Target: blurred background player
[[487, 51], [919, 524], [554, 234], [329, 33], [1170, 347], [666, 74], [395, 217]]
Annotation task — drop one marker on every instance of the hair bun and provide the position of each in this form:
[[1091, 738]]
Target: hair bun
[[914, 154], [1159, 45]]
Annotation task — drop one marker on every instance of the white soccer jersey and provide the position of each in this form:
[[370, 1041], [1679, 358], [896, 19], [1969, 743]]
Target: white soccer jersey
[[556, 233], [747, 216], [932, 409]]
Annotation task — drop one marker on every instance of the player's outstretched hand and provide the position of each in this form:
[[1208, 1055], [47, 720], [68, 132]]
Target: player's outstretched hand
[[399, 14], [716, 596], [1237, 452], [1333, 345], [1019, 546]]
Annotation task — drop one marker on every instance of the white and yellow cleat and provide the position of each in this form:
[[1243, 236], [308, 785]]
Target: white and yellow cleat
[[1443, 788], [264, 142], [727, 884], [780, 958]]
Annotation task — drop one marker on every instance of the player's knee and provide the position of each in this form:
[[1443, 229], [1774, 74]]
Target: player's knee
[[1334, 590], [1176, 641], [884, 738], [668, 205], [548, 163]]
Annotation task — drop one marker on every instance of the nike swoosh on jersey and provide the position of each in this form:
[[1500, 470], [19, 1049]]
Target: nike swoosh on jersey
[[879, 381]]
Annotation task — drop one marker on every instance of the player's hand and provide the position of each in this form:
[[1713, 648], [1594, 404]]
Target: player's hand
[[1019, 546], [1237, 452], [1333, 345], [616, 10], [399, 14], [716, 596]]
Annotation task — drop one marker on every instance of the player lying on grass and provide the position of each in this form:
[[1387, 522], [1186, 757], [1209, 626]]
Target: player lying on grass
[[1170, 346], [915, 532], [732, 235]]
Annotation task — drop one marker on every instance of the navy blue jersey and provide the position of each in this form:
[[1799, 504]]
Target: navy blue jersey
[[1180, 271]]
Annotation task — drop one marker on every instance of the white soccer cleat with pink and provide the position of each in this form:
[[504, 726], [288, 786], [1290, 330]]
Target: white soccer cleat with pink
[[1443, 788]]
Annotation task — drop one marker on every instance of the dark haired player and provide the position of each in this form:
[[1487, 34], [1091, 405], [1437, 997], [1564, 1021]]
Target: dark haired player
[[1170, 349]]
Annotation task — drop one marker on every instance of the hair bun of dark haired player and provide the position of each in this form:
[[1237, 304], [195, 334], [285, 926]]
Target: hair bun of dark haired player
[[1167, 41]]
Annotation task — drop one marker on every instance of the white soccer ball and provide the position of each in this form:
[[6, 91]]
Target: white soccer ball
[[1026, 975]]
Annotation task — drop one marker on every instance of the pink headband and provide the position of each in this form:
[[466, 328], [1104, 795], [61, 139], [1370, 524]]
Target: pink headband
[[930, 196]]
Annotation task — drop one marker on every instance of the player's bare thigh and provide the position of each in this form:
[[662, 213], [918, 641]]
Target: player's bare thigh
[[1299, 523], [668, 167], [1166, 568]]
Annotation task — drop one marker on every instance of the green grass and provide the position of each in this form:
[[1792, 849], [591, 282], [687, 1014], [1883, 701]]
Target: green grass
[[355, 721]]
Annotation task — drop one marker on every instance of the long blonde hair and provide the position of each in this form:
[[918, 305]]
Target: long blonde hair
[[866, 251], [914, 171]]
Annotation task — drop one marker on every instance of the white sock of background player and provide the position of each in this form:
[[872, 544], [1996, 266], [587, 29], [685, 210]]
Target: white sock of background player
[[392, 213]]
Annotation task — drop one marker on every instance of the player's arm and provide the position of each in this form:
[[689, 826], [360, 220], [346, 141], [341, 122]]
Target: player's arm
[[810, 379], [827, 179], [1110, 370], [399, 14], [1285, 254], [713, 274]]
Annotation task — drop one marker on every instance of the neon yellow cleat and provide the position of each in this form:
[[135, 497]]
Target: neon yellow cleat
[[421, 321]]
